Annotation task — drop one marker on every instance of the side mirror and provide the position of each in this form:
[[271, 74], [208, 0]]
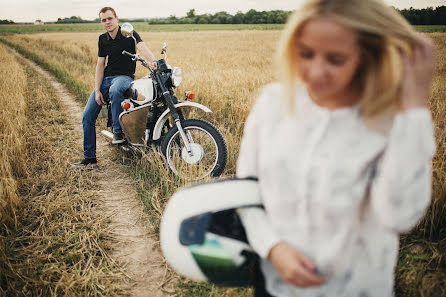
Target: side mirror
[[164, 49], [127, 30]]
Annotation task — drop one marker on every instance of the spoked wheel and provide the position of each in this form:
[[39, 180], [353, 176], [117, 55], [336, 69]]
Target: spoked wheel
[[208, 150]]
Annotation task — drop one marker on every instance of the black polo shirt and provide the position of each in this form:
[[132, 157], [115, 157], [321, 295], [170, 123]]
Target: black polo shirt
[[117, 63]]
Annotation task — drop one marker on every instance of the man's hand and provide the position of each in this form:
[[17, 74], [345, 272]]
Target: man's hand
[[99, 98], [418, 73], [293, 266]]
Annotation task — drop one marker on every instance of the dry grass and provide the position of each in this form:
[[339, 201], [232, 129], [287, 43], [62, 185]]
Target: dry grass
[[56, 246], [421, 269], [435, 224], [226, 70], [12, 155]]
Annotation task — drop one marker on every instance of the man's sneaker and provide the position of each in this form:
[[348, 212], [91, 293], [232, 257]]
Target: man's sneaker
[[118, 138], [86, 163]]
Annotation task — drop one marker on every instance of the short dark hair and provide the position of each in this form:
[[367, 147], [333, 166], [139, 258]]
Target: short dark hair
[[104, 9]]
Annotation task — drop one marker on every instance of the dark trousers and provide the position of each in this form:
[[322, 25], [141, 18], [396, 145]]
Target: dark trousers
[[259, 284]]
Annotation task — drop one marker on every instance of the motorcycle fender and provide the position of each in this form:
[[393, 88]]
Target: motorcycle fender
[[163, 117]]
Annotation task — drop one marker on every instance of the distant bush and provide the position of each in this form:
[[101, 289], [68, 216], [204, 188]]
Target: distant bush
[[72, 20]]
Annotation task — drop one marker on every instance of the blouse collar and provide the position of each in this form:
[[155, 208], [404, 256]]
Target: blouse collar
[[307, 105]]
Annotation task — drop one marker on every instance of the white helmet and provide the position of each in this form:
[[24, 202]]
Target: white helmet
[[201, 234]]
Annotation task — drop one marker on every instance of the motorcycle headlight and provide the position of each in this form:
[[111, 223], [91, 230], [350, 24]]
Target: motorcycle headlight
[[177, 76]]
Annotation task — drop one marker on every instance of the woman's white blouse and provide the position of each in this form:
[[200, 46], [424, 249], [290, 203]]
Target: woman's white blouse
[[335, 189]]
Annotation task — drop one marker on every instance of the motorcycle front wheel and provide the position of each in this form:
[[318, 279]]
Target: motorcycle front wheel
[[209, 152]]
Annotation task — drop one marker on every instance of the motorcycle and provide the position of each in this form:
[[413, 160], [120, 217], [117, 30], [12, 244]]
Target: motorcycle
[[153, 116]]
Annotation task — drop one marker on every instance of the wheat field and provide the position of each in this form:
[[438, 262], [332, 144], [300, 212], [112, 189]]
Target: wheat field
[[226, 70], [50, 228]]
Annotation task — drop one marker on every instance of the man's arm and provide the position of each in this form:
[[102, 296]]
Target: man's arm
[[100, 66], [145, 51]]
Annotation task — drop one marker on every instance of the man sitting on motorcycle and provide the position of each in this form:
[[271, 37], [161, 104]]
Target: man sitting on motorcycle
[[111, 81]]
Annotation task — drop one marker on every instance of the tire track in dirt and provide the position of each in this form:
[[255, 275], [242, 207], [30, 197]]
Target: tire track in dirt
[[135, 249]]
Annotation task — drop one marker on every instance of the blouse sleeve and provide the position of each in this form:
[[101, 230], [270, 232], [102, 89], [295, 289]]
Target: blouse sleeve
[[401, 190], [260, 233]]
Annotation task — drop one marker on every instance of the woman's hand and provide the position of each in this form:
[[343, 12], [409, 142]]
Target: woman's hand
[[417, 75], [293, 266]]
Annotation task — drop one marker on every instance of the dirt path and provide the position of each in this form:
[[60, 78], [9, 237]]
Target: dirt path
[[135, 249]]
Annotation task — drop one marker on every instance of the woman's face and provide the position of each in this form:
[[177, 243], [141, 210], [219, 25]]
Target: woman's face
[[328, 57]]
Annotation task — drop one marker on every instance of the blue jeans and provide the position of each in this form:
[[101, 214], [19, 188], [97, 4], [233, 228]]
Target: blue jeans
[[113, 88]]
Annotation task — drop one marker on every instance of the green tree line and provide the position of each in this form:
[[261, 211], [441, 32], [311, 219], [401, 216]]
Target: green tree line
[[6, 22], [74, 20], [222, 17], [425, 16]]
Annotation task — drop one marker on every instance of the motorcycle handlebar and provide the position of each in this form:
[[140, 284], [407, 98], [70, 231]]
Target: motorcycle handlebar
[[135, 57], [128, 54]]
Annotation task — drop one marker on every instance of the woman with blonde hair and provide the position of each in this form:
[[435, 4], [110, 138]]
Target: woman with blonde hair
[[342, 148]]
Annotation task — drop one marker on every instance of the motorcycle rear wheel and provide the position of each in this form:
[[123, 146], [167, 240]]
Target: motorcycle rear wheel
[[208, 147]]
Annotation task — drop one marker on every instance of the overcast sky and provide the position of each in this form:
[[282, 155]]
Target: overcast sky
[[50, 10]]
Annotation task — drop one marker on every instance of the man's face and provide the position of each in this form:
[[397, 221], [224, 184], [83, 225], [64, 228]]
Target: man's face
[[109, 20]]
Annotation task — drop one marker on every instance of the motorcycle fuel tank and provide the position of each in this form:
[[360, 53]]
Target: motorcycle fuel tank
[[145, 89]]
